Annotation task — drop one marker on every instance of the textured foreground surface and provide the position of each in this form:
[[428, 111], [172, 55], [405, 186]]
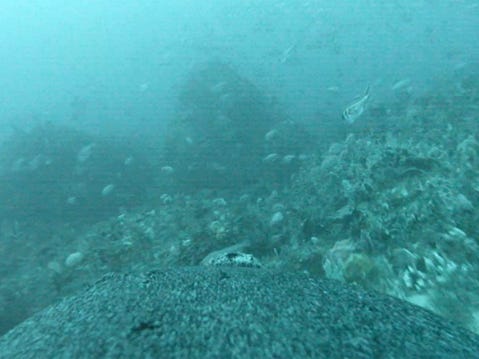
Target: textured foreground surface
[[233, 312]]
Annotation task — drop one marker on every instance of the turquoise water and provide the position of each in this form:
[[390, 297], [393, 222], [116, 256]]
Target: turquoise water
[[149, 135]]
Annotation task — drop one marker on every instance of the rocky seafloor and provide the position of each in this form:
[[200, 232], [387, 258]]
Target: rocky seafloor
[[391, 205]]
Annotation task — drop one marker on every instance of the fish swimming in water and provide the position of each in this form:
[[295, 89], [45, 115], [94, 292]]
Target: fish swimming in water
[[401, 84], [357, 108]]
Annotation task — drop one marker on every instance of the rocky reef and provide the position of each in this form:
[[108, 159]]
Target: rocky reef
[[391, 206]]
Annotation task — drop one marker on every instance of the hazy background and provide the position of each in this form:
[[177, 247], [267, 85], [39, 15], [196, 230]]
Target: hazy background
[[392, 208], [117, 65]]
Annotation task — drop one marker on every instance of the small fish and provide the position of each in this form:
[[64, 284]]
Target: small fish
[[401, 84], [270, 135], [107, 190], [334, 89], [459, 66], [357, 108], [168, 170], [288, 158], [219, 87], [143, 87], [74, 259], [85, 152], [286, 54], [272, 157], [128, 161]]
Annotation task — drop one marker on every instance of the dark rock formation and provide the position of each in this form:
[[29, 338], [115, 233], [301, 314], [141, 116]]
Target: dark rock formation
[[234, 312]]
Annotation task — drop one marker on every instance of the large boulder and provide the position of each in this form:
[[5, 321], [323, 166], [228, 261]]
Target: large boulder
[[226, 312], [224, 130]]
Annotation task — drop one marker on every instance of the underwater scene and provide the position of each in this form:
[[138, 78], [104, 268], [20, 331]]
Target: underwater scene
[[337, 139]]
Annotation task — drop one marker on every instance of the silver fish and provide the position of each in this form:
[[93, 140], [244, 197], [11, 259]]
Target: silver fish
[[286, 54], [401, 84], [357, 108]]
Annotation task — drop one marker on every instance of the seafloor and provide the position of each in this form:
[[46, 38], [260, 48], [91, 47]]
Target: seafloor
[[389, 203]]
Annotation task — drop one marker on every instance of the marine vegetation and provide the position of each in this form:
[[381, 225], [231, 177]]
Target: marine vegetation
[[391, 206]]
